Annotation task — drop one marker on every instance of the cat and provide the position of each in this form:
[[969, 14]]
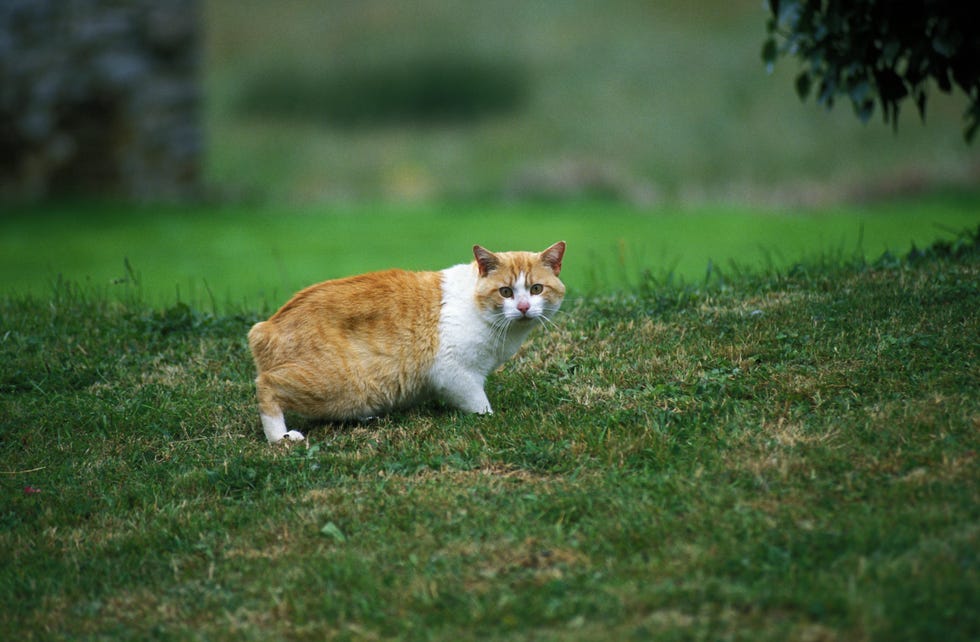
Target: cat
[[357, 347]]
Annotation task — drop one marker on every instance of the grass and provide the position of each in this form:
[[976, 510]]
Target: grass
[[236, 256], [785, 455]]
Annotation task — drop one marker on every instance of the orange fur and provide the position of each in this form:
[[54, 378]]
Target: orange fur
[[509, 266], [362, 345], [348, 348]]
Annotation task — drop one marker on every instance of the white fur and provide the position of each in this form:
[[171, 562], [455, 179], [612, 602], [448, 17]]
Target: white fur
[[473, 343], [275, 429], [537, 305]]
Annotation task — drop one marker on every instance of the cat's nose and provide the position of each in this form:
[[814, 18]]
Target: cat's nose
[[523, 305]]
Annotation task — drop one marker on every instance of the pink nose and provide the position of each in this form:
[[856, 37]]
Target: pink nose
[[523, 306]]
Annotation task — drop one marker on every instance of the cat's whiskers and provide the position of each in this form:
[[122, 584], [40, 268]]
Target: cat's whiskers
[[498, 329], [546, 322]]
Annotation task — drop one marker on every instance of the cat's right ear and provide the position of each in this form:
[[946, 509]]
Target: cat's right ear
[[486, 260], [553, 255]]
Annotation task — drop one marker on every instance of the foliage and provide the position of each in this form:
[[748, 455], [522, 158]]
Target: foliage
[[422, 89], [879, 51], [788, 455]]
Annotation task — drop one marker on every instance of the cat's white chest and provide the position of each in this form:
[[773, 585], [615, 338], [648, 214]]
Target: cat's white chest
[[471, 345]]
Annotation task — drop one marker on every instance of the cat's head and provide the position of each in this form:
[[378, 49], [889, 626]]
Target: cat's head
[[520, 286]]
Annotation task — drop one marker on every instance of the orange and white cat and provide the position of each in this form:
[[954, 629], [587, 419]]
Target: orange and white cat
[[357, 347]]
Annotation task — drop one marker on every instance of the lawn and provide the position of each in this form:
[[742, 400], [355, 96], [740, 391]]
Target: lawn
[[788, 455], [237, 257]]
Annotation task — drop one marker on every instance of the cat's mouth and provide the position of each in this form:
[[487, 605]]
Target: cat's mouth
[[521, 318]]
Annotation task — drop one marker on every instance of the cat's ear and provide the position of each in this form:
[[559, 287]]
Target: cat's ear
[[486, 260], [552, 256]]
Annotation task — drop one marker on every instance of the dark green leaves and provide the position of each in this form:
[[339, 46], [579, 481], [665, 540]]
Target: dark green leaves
[[876, 52], [769, 53], [803, 84]]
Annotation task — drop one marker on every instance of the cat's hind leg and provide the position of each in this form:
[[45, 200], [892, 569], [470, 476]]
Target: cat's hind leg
[[274, 427], [270, 412]]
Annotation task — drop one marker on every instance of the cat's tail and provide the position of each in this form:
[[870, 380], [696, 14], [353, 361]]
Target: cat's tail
[[258, 343], [262, 345]]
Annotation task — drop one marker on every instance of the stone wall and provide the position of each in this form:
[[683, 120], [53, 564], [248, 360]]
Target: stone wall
[[99, 98]]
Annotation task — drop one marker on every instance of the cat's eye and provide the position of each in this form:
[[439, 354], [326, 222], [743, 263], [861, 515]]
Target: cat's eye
[[537, 288], [506, 292]]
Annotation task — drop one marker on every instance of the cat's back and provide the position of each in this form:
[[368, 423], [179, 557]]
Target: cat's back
[[351, 347], [394, 293], [377, 309]]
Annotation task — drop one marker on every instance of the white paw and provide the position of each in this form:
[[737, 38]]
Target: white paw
[[289, 435]]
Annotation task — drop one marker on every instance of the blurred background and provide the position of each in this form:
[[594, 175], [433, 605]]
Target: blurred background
[[248, 148], [333, 101], [644, 102]]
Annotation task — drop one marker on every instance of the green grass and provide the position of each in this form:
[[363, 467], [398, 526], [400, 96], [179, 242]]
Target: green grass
[[234, 257], [782, 456]]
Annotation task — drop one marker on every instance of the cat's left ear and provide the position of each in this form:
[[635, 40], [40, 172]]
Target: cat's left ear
[[486, 260], [552, 256]]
